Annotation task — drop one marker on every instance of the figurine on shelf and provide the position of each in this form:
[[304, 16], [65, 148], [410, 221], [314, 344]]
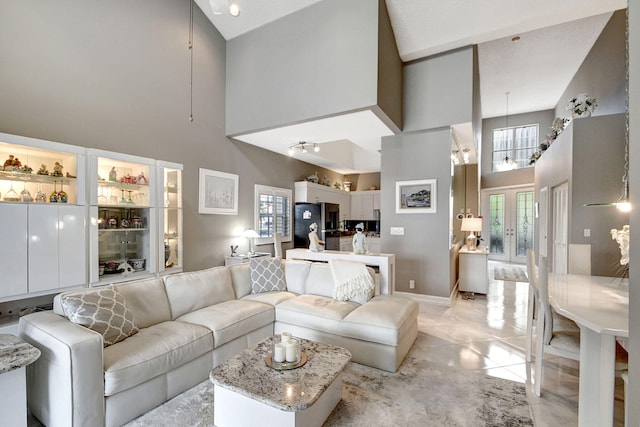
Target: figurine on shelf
[[113, 175], [70, 176], [26, 169], [12, 163], [57, 169], [43, 170], [326, 181], [313, 178], [127, 179], [141, 179]]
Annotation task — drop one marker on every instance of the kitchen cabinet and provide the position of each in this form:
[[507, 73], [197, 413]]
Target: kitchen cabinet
[[308, 192], [363, 204], [170, 218], [123, 238]]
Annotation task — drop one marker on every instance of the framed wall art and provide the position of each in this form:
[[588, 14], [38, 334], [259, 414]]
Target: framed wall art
[[218, 193], [418, 196]]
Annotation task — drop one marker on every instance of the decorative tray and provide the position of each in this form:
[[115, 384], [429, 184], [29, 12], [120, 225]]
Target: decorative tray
[[285, 366]]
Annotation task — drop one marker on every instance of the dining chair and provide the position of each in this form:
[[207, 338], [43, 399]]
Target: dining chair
[[550, 338], [531, 301]]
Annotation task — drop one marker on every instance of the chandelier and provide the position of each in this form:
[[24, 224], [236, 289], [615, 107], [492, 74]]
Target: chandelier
[[303, 147]]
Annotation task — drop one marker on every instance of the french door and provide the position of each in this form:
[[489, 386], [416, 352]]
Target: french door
[[507, 226]]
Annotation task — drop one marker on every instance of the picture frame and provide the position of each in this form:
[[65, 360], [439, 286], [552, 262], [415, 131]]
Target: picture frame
[[417, 196], [217, 193]]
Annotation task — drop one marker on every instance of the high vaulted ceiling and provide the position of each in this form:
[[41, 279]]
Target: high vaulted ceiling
[[555, 37]]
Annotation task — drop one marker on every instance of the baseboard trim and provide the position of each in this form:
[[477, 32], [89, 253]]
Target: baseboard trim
[[428, 299]]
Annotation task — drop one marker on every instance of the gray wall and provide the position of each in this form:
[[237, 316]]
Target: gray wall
[[520, 176], [602, 74], [598, 166], [438, 91], [115, 76], [422, 254], [634, 170], [317, 62], [593, 169]]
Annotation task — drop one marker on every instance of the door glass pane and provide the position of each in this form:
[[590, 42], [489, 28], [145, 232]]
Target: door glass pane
[[524, 221], [496, 224]]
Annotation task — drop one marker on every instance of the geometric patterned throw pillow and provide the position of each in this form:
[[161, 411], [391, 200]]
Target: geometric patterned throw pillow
[[267, 275], [102, 311]]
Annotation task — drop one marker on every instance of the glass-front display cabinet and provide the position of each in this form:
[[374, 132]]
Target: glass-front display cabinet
[[43, 211], [170, 218], [123, 217]]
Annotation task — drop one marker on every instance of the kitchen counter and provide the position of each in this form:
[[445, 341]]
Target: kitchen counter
[[386, 264]]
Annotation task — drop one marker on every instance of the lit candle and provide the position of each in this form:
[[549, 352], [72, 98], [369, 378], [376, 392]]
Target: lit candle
[[292, 351], [279, 353], [285, 337]]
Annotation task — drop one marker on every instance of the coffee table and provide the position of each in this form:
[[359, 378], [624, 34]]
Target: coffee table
[[248, 392]]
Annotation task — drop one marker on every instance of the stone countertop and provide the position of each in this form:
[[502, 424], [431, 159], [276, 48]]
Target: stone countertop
[[294, 390], [15, 353]]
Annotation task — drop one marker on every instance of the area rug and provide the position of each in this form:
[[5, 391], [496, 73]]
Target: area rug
[[421, 393], [513, 274]]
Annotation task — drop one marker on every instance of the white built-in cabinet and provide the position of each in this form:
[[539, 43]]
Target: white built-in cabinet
[[123, 217], [67, 211], [364, 204], [170, 217], [42, 206]]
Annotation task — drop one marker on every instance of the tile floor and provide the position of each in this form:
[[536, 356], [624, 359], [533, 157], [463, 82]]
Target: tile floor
[[488, 334]]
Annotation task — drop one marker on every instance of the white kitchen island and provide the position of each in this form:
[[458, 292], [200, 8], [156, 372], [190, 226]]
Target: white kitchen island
[[386, 264]]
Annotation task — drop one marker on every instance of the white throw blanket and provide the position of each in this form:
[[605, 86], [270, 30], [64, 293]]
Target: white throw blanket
[[350, 279]]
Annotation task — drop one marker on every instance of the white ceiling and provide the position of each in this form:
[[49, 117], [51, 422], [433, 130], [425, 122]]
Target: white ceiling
[[555, 38]]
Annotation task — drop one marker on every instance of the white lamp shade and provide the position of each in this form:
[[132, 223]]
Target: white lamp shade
[[249, 232], [471, 224]]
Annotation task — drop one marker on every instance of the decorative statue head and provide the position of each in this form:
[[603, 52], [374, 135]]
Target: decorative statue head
[[360, 227], [313, 227]]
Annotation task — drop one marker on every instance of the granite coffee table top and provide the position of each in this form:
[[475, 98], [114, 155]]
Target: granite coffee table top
[[15, 353], [288, 390]]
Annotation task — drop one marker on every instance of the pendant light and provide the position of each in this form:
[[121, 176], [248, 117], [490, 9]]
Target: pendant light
[[507, 164]]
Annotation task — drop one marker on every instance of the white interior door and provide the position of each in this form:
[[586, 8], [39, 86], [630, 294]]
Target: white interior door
[[508, 223], [560, 197]]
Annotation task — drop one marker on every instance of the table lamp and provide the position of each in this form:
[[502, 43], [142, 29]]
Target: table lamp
[[472, 225], [250, 234]]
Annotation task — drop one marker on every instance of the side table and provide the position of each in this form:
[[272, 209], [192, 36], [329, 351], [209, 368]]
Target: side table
[[15, 355], [243, 258], [474, 275]]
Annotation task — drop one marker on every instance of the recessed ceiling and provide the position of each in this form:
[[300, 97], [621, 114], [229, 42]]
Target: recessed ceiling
[[555, 39]]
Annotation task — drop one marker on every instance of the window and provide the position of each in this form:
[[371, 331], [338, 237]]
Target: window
[[273, 213], [517, 143]]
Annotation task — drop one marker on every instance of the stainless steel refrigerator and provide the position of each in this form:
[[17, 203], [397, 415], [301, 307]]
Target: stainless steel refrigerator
[[325, 215]]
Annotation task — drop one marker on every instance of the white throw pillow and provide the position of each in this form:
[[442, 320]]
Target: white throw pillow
[[102, 311], [267, 275]]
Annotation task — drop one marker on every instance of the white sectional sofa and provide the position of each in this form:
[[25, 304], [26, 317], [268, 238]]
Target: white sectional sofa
[[188, 323]]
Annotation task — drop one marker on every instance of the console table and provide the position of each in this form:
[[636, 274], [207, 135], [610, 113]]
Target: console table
[[386, 264], [473, 270], [15, 355]]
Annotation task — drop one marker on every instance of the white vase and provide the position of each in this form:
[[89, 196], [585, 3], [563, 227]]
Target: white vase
[[581, 116]]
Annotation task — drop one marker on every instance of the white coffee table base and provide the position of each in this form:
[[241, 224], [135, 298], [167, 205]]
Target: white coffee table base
[[235, 410]]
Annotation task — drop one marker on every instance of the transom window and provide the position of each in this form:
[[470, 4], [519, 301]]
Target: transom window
[[517, 143], [273, 213]]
